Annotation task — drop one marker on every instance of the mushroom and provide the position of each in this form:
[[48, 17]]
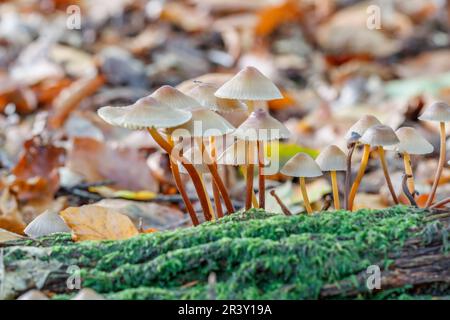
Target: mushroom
[[88, 294], [381, 136], [438, 112], [332, 159], [355, 132], [148, 113], [411, 142], [205, 124], [259, 127], [303, 166], [46, 223], [33, 295]]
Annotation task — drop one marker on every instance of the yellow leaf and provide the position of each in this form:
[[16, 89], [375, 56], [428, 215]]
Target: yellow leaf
[[93, 222]]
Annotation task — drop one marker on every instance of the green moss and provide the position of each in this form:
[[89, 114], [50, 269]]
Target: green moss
[[255, 255]]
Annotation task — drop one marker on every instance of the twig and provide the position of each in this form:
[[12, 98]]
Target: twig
[[405, 189], [283, 207]]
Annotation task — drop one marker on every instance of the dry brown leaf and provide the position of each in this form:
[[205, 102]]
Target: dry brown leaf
[[92, 222], [271, 17], [6, 235]]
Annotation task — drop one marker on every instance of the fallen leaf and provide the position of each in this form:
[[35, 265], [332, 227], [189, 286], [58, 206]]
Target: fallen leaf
[[6, 235], [91, 222]]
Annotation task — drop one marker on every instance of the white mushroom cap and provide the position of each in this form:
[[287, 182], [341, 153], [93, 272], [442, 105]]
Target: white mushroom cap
[[412, 142], [33, 295], [88, 294], [437, 111], [204, 123], [174, 98], [204, 94], [147, 112], [301, 165], [249, 84], [362, 125], [332, 159], [46, 223], [379, 135], [261, 126], [236, 155]]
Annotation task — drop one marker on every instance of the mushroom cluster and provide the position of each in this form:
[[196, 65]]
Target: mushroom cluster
[[195, 117]]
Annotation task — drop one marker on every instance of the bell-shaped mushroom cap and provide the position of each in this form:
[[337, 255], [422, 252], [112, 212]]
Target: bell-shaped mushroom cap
[[174, 98], [362, 125], [88, 294], [301, 165], [46, 223], [379, 135], [204, 123], [33, 295], [261, 126], [194, 156], [437, 111], [249, 84], [204, 94], [236, 155], [147, 112], [412, 142], [332, 159]]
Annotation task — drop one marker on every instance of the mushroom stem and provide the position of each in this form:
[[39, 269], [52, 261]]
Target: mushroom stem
[[283, 207], [439, 168], [216, 177], [440, 203], [217, 203], [180, 186], [386, 174], [359, 176], [249, 168], [348, 174], [334, 185], [305, 195], [409, 172], [406, 191], [189, 168], [262, 184], [244, 174], [202, 181]]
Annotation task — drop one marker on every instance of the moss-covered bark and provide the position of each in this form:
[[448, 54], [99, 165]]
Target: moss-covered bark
[[255, 255]]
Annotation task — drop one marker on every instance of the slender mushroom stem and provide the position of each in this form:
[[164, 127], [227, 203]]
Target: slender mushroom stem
[[409, 172], [359, 176], [334, 185], [216, 177], [348, 174], [386, 174], [440, 166], [249, 175], [217, 203], [202, 181], [244, 174], [189, 168], [406, 191], [283, 207], [440, 203], [261, 177], [180, 186], [305, 195]]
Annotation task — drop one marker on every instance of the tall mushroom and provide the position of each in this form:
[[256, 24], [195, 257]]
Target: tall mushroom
[[205, 124], [332, 159], [438, 112], [358, 129], [411, 143], [148, 113], [380, 136], [302, 166], [259, 127]]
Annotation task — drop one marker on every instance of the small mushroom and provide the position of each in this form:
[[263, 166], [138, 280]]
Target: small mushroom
[[411, 142], [358, 129], [175, 98], [46, 223], [148, 113], [382, 136], [33, 295], [437, 112], [260, 127], [332, 159], [88, 294], [204, 94], [303, 166]]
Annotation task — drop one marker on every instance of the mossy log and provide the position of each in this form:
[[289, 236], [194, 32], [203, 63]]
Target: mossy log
[[254, 255]]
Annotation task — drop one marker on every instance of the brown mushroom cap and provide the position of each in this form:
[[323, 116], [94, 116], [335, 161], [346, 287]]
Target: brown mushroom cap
[[147, 112], [174, 98], [204, 123], [412, 142], [301, 165], [437, 111], [249, 84], [379, 135], [236, 155], [204, 94], [332, 159], [261, 126], [362, 125], [33, 295]]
